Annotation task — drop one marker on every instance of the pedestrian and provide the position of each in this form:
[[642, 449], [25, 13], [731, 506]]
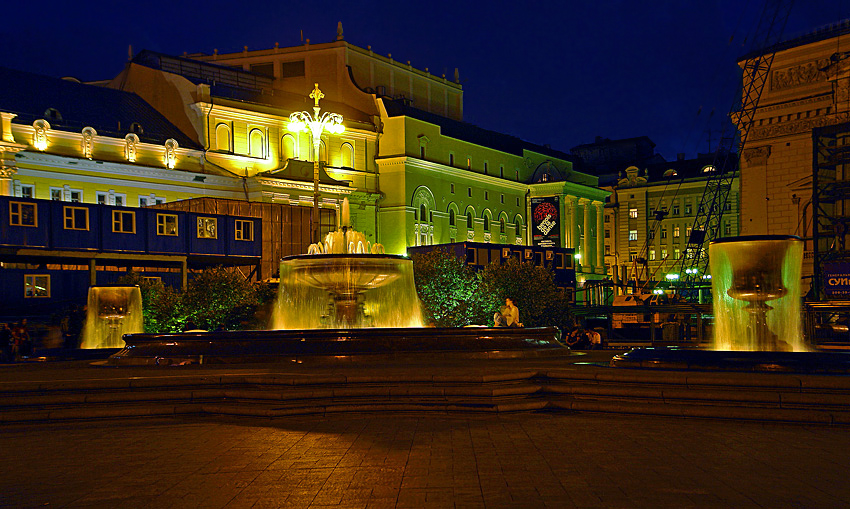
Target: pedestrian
[[25, 341], [6, 344]]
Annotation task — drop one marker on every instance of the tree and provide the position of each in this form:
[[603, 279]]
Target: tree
[[533, 290], [161, 304], [449, 290], [217, 298]]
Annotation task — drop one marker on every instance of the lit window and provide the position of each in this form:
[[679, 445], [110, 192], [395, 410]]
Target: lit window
[[244, 229], [166, 224], [607, 250], [255, 143], [708, 169], [468, 163], [633, 235], [346, 155], [76, 218], [651, 254], [123, 221], [688, 232], [633, 213], [287, 147], [22, 214], [677, 254], [663, 254], [222, 138], [36, 286], [207, 228], [676, 232]]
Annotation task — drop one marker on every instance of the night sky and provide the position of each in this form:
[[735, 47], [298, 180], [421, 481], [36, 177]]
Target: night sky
[[558, 73]]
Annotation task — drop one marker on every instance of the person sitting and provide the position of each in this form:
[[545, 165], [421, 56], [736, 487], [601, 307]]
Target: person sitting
[[499, 320], [511, 313]]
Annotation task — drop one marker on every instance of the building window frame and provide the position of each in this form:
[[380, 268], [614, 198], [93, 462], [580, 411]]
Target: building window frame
[[207, 227], [123, 221], [244, 230], [36, 286], [633, 213], [167, 225], [23, 214], [633, 235], [72, 216]]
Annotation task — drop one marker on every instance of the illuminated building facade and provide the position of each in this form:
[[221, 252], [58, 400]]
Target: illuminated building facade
[[169, 129]]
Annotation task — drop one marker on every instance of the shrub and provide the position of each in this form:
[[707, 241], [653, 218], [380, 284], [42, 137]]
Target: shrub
[[532, 289], [450, 290]]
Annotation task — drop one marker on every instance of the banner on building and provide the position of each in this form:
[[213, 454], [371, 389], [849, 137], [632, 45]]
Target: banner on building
[[836, 279], [545, 222]]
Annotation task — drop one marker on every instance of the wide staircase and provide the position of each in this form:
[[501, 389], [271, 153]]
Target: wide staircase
[[482, 388]]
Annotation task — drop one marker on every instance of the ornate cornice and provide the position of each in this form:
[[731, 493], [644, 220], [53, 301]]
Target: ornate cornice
[[812, 71], [802, 126]]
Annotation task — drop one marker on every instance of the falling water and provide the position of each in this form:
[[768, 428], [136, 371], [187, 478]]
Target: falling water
[[759, 270], [112, 312]]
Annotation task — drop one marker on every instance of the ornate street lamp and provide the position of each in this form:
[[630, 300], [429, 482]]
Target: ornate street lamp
[[315, 124]]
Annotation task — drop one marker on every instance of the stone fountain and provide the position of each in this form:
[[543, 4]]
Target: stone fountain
[[112, 311], [346, 282], [344, 301], [757, 314]]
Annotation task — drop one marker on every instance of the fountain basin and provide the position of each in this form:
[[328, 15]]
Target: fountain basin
[[672, 358], [338, 345]]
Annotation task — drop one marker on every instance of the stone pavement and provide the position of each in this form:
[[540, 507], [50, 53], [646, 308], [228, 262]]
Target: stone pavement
[[519, 460]]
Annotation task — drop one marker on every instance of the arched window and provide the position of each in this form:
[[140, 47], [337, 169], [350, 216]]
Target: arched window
[[451, 217], [287, 147], [469, 223], [502, 226], [423, 213], [255, 143], [486, 223], [346, 155], [222, 138]]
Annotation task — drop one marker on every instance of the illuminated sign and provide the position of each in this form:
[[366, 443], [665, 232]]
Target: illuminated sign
[[546, 222]]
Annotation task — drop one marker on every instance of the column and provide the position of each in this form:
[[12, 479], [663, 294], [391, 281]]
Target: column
[[600, 237], [586, 246], [7, 170], [574, 218]]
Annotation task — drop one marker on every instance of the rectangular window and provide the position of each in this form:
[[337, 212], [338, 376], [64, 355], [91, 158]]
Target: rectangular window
[[632, 255], [633, 213], [675, 210], [486, 195], [76, 218], [75, 196], [452, 188], [727, 229], [265, 69], [166, 224], [36, 285], [664, 233], [469, 192], [485, 167], [676, 232], [502, 198], [143, 201], [422, 152], [56, 193], [451, 159], [651, 254], [123, 222], [607, 218], [688, 232], [22, 214], [607, 234], [517, 201], [468, 163], [102, 197], [27, 191], [120, 200], [501, 171], [244, 229], [607, 249], [292, 69], [207, 228], [727, 206], [633, 235], [677, 254], [663, 254], [688, 209]]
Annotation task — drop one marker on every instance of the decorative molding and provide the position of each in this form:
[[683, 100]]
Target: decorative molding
[[812, 71], [803, 126], [757, 156], [795, 104]]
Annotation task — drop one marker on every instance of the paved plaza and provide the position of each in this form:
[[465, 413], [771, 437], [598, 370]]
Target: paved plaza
[[516, 460]]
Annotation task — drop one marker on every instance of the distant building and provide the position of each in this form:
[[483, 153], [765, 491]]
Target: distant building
[[605, 158], [650, 215]]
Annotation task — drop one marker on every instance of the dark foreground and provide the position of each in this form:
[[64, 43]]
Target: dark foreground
[[528, 460]]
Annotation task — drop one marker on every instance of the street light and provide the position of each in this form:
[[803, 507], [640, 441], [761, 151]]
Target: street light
[[315, 123]]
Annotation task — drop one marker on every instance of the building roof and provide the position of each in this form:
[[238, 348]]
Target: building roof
[[819, 34], [471, 133], [110, 112], [687, 168]]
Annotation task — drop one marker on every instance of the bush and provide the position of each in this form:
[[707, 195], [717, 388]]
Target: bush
[[161, 306], [450, 290], [532, 289]]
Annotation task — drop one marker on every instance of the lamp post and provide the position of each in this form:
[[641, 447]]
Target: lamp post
[[315, 123]]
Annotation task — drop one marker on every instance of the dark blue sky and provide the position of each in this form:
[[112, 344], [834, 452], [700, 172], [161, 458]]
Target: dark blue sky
[[560, 72]]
